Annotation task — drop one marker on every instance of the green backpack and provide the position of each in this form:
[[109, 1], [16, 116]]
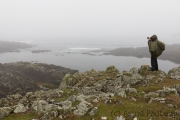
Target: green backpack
[[161, 47]]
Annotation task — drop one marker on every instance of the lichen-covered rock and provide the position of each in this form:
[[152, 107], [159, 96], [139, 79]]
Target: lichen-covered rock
[[177, 87], [119, 118], [20, 108], [5, 111], [103, 118], [130, 78], [40, 106], [174, 73], [66, 104], [93, 111], [82, 108], [68, 80], [151, 94], [112, 69], [143, 69], [120, 92], [166, 91]]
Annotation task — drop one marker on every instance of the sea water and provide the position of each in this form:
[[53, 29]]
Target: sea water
[[80, 56]]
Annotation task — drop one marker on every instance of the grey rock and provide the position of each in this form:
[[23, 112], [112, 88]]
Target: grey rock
[[40, 106], [95, 100], [174, 73], [166, 91], [131, 90], [5, 111], [133, 99], [20, 108], [161, 100], [93, 111], [120, 92], [112, 69], [82, 108], [119, 118], [66, 104], [151, 94], [177, 87], [143, 69], [103, 118], [170, 105]]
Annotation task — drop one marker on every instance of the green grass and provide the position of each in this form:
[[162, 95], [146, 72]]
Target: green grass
[[141, 109], [21, 116]]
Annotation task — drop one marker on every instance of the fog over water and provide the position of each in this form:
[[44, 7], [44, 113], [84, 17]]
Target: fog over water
[[90, 21], [71, 27], [71, 55]]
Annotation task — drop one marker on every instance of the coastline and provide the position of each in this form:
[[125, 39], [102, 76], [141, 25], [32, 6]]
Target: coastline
[[171, 53], [7, 46]]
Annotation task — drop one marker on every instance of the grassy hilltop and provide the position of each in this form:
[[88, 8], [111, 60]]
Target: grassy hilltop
[[96, 95]]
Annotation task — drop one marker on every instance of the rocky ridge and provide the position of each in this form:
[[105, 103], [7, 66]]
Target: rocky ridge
[[102, 95], [23, 77]]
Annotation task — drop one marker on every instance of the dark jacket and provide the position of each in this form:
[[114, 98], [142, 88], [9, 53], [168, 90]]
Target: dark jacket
[[153, 47]]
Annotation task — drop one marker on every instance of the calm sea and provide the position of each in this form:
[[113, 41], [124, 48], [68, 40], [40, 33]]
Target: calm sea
[[78, 56]]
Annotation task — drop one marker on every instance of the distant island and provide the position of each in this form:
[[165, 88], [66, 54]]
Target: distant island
[[40, 51], [171, 53], [7, 46]]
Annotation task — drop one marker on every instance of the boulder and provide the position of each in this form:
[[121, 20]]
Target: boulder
[[112, 69], [174, 73], [93, 111], [20, 109], [5, 111], [82, 108], [119, 118]]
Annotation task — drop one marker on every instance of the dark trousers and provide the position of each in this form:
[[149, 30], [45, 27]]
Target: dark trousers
[[154, 64]]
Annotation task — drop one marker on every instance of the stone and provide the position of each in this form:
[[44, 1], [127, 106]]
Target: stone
[[170, 105], [111, 69], [20, 108], [133, 99], [103, 118], [93, 111], [42, 106], [5, 111], [66, 104], [82, 108], [119, 118], [151, 94], [143, 69], [174, 73], [166, 91]]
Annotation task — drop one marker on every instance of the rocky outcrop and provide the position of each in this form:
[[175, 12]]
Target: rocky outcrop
[[174, 73], [23, 77], [91, 93]]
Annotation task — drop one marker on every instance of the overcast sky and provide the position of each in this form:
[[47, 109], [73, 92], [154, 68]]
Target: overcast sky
[[113, 21]]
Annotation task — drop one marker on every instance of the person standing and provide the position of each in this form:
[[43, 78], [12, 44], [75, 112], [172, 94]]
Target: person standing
[[153, 49]]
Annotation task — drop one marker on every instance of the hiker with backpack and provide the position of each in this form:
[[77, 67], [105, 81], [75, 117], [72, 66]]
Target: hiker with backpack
[[156, 48]]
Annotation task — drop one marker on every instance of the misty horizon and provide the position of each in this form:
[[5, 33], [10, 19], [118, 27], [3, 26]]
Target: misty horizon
[[102, 21]]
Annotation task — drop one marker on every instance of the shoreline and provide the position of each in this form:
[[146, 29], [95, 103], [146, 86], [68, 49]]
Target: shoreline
[[7, 46], [171, 53]]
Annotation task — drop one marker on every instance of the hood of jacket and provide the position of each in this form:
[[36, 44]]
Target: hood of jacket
[[154, 37]]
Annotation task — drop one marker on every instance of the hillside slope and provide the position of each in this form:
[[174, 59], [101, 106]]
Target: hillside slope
[[101, 95], [22, 77]]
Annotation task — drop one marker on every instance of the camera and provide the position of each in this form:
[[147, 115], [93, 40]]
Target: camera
[[148, 38]]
